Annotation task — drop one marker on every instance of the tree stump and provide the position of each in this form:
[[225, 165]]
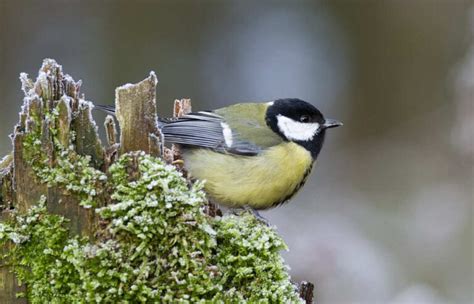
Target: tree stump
[[58, 158]]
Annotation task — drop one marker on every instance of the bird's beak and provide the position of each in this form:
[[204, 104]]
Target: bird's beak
[[331, 123]]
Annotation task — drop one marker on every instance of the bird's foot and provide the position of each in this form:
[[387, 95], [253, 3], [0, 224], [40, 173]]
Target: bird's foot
[[257, 215]]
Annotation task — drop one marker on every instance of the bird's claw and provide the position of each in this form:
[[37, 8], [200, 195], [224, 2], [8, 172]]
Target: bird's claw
[[257, 215]]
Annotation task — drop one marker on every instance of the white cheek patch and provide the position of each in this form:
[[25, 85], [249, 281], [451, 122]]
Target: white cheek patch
[[295, 130], [227, 132]]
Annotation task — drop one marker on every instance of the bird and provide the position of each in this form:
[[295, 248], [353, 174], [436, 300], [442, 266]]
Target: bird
[[250, 155]]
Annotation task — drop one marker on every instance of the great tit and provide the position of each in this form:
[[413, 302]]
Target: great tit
[[252, 155]]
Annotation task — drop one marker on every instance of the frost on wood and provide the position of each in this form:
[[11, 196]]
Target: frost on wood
[[55, 134], [81, 222], [136, 113], [181, 107]]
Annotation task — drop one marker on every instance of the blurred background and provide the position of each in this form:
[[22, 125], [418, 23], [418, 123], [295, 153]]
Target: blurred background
[[387, 216]]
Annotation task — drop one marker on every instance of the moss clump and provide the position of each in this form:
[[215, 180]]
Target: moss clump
[[36, 242], [157, 246], [159, 223], [248, 256]]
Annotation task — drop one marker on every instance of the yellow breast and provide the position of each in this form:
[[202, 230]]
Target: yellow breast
[[257, 181]]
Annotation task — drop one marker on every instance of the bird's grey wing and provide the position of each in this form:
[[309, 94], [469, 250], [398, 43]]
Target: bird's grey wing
[[206, 130], [105, 108]]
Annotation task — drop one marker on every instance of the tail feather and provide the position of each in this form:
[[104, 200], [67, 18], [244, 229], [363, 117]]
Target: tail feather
[[106, 108]]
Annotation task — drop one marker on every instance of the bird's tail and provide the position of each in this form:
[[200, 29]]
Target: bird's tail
[[105, 108]]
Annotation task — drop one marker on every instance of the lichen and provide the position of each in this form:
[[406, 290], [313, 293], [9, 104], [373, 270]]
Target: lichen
[[157, 245]]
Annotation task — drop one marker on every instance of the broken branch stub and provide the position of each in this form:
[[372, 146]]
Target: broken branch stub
[[87, 138], [181, 108], [306, 291], [51, 113], [136, 112], [110, 130]]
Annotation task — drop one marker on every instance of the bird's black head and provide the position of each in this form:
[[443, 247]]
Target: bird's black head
[[300, 122]]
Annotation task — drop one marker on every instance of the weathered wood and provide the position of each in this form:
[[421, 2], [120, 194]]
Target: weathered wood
[[53, 94], [181, 108], [110, 130], [155, 146], [306, 291], [6, 180], [87, 137], [64, 120], [9, 287], [27, 190], [111, 151], [82, 221], [135, 106]]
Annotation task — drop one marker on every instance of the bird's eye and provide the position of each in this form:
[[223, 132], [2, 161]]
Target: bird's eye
[[305, 118]]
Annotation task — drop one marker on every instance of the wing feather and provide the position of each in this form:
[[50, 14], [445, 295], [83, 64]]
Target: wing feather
[[204, 129]]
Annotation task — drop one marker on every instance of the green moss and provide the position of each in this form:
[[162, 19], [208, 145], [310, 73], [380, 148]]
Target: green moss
[[70, 171], [158, 246], [248, 255], [158, 221], [36, 241]]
